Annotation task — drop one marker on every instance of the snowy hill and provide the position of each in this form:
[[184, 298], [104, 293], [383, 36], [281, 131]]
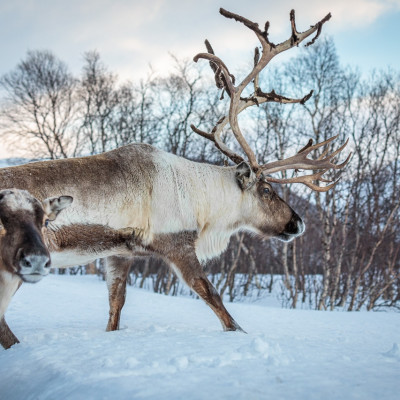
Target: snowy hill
[[173, 348], [8, 162]]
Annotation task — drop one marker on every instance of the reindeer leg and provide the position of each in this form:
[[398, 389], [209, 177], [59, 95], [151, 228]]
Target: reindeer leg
[[9, 284], [179, 249], [7, 338], [117, 269], [205, 289], [192, 273]]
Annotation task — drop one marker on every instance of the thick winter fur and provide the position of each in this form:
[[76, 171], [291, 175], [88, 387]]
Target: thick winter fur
[[161, 196], [154, 192]]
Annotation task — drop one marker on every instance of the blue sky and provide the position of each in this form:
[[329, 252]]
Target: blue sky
[[132, 34]]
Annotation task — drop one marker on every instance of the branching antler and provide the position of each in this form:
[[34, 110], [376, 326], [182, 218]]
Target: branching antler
[[226, 81], [300, 161]]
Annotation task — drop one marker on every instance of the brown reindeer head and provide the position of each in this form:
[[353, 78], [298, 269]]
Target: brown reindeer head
[[274, 218], [23, 220]]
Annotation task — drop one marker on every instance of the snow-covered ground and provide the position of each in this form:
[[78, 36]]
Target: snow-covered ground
[[7, 162], [173, 348]]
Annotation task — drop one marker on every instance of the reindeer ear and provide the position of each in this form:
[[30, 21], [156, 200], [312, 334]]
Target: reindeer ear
[[53, 205], [245, 175]]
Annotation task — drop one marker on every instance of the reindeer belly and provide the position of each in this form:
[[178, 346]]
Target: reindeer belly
[[80, 244], [74, 257]]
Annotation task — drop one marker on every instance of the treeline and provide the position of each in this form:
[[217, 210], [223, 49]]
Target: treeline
[[348, 258]]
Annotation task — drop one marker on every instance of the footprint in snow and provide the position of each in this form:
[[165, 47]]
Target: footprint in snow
[[394, 352]]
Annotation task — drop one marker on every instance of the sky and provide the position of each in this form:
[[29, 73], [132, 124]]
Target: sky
[[131, 35]]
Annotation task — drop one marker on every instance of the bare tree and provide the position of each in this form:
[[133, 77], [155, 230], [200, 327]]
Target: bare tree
[[97, 95], [134, 118], [375, 193], [40, 107], [181, 100]]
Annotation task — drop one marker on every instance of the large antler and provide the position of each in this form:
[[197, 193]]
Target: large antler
[[226, 81]]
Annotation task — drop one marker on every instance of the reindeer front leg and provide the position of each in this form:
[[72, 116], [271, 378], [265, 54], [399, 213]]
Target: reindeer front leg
[[9, 284], [117, 269], [179, 249], [192, 273], [7, 337]]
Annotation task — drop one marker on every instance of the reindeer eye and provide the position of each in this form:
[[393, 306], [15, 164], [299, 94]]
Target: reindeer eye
[[266, 190], [46, 223]]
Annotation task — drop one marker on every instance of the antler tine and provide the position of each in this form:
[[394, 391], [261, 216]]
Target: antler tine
[[294, 37], [335, 153], [300, 160], [220, 79], [221, 69], [308, 181], [256, 60], [309, 148], [236, 158], [310, 142]]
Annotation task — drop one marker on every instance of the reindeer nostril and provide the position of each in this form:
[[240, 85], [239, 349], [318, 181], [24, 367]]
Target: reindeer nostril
[[291, 227], [48, 264], [295, 226], [23, 259]]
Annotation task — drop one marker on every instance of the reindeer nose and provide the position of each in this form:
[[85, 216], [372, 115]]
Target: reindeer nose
[[33, 266], [295, 226]]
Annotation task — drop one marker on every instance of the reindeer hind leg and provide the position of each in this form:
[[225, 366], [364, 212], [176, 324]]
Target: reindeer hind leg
[[117, 269]]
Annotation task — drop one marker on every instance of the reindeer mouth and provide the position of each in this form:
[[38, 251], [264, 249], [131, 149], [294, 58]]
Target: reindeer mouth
[[31, 278], [294, 230], [284, 237]]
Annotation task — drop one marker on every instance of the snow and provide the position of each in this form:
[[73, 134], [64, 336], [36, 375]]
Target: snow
[[8, 162], [174, 348]]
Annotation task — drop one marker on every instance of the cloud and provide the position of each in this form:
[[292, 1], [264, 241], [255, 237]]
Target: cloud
[[131, 34]]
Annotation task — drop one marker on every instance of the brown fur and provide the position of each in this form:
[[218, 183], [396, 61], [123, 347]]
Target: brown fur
[[21, 228], [83, 176], [7, 337], [117, 274], [89, 237]]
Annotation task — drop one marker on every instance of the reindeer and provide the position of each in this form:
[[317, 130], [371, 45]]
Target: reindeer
[[24, 257], [181, 210], [26, 242]]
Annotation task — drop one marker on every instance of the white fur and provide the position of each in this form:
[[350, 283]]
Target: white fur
[[18, 200], [211, 244], [8, 285], [38, 266], [70, 258], [190, 196]]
